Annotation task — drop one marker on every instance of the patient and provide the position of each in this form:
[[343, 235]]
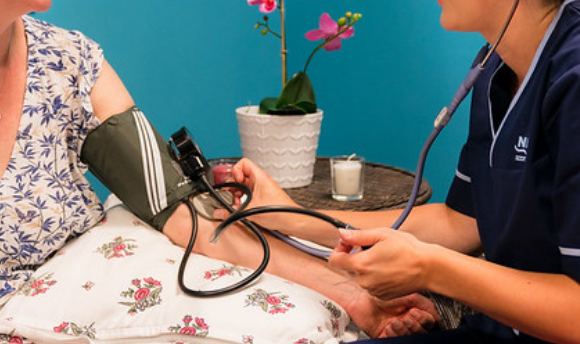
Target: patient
[[55, 88]]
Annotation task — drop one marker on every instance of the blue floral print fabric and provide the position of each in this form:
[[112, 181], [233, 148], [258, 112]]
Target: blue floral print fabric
[[44, 196]]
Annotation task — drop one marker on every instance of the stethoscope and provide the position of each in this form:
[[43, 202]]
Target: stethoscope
[[241, 214]]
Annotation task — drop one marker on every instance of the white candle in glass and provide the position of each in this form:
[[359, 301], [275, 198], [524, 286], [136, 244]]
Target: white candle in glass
[[347, 177]]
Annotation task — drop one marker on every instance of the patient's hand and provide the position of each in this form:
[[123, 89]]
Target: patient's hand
[[397, 317], [421, 317], [265, 191]]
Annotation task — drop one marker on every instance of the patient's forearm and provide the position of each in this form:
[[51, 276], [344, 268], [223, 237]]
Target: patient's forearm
[[236, 245]]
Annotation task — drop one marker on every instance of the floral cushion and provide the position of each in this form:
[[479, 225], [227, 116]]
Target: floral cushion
[[117, 283]]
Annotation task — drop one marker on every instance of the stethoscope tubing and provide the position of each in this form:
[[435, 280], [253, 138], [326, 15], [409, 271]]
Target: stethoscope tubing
[[251, 226]]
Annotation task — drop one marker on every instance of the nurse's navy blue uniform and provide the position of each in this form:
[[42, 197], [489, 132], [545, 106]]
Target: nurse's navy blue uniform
[[519, 171]]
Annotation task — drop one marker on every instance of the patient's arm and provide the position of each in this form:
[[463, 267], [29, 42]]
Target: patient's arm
[[109, 96], [376, 317]]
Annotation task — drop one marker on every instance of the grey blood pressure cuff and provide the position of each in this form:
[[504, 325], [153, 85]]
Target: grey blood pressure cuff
[[135, 163]]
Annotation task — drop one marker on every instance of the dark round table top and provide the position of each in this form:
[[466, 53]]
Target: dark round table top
[[386, 187]]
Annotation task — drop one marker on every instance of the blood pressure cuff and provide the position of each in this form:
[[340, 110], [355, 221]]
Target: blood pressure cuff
[[135, 163]]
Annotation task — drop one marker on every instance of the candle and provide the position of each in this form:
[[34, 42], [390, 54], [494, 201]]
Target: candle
[[347, 178], [222, 173]]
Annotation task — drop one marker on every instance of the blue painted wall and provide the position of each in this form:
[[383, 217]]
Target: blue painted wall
[[193, 62]]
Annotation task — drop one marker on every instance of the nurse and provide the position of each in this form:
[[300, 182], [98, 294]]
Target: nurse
[[515, 195]]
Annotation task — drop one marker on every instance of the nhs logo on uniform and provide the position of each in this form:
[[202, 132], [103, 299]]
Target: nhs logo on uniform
[[521, 148]]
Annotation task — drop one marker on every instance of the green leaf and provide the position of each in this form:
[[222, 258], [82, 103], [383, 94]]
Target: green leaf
[[298, 93], [156, 293], [268, 104], [296, 98], [264, 306], [76, 329]]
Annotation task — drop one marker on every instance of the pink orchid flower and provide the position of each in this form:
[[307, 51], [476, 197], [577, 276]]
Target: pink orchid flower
[[266, 6], [328, 29]]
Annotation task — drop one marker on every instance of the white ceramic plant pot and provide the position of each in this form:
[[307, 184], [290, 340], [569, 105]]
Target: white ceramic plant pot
[[284, 146]]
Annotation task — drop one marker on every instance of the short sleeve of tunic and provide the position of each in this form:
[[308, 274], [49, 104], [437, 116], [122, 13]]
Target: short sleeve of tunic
[[562, 133], [459, 196], [44, 197]]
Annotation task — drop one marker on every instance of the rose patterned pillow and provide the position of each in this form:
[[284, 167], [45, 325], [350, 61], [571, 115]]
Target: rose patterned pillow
[[117, 283]]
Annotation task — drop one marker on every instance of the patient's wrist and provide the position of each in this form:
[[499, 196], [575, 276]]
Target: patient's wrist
[[178, 226]]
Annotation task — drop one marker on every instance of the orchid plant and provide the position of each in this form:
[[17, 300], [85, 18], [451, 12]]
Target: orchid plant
[[297, 96]]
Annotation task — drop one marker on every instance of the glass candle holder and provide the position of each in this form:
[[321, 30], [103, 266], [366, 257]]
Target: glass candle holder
[[347, 176], [221, 170]]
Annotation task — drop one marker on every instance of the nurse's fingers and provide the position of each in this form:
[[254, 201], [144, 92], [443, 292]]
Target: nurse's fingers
[[343, 248], [367, 237], [342, 256]]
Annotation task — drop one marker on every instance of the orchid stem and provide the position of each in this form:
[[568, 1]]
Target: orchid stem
[[268, 29], [273, 33], [323, 44], [283, 51]]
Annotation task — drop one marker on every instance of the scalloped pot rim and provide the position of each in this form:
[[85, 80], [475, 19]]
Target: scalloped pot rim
[[252, 110]]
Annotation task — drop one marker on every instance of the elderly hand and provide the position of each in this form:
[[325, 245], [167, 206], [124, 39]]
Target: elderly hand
[[390, 318], [418, 315]]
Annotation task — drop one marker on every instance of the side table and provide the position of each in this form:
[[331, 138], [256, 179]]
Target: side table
[[386, 187]]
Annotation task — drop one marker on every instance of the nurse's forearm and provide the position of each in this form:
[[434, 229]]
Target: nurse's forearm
[[441, 225], [315, 230], [542, 305], [432, 223]]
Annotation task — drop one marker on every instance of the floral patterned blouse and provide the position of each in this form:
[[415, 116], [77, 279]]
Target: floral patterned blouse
[[44, 197]]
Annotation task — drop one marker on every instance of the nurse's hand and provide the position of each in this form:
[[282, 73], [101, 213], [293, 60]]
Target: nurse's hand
[[265, 191], [395, 265]]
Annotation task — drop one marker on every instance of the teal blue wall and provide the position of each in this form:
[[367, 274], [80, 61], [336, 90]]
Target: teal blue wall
[[193, 62]]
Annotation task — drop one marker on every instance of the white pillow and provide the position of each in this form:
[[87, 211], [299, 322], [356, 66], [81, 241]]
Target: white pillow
[[117, 283]]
